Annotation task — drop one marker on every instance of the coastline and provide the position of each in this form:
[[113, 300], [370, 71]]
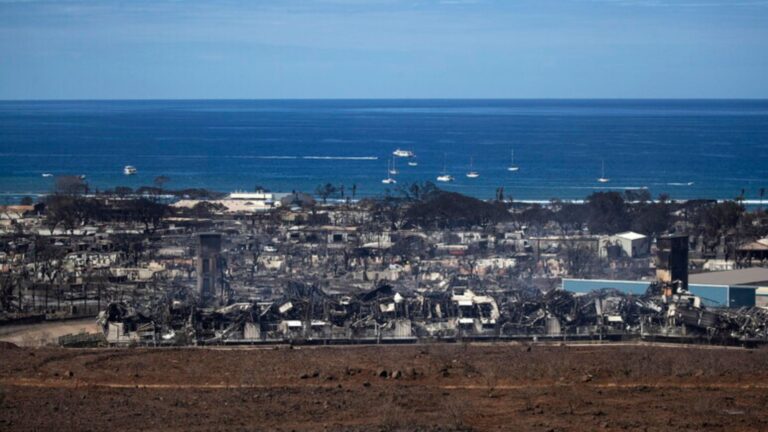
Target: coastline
[[751, 204]]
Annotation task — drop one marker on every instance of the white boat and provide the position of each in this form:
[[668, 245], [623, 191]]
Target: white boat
[[392, 169], [389, 179], [413, 162], [47, 175], [603, 178], [512, 167], [445, 177], [403, 153], [81, 176], [129, 170], [472, 173]]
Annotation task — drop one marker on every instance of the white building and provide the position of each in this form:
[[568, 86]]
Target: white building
[[241, 202], [630, 244]]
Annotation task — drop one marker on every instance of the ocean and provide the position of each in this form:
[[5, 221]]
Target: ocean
[[684, 148]]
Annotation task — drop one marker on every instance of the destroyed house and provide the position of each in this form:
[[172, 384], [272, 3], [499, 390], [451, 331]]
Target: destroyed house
[[482, 239], [123, 325], [475, 313], [330, 235]]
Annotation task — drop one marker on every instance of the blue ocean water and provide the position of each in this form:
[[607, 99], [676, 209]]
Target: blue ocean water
[[686, 148]]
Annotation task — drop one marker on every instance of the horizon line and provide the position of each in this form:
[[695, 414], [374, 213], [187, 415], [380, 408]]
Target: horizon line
[[2, 100]]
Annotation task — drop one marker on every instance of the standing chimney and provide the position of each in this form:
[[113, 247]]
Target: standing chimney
[[208, 267], [673, 259]]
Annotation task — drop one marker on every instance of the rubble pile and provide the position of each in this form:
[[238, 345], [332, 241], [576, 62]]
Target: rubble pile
[[422, 264], [305, 313]]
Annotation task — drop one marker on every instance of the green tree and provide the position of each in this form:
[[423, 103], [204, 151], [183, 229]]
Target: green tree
[[148, 212], [60, 210], [651, 219], [70, 185], [607, 213]]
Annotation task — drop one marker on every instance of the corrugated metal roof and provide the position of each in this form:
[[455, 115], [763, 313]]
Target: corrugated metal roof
[[587, 285], [747, 276], [712, 295]]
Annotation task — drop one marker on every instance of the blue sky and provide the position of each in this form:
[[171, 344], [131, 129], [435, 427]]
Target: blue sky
[[95, 49]]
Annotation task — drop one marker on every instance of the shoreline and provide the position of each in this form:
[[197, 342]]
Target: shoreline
[[171, 197]]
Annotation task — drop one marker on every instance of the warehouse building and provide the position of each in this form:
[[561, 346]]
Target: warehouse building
[[753, 278], [712, 295]]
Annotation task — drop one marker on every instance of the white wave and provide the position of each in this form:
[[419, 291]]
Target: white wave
[[336, 140], [680, 184], [341, 157], [11, 195], [609, 187], [263, 157], [534, 201], [394, 141]]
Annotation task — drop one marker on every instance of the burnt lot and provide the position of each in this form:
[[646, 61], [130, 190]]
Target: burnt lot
[[443, 387]]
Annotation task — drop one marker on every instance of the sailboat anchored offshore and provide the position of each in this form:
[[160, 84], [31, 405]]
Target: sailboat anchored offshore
[[603, 178], [389, 179], [445, 177], [472, 173], [512, 167]]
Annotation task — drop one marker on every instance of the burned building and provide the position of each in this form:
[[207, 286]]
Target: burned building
[[672, 265], [209, 268]]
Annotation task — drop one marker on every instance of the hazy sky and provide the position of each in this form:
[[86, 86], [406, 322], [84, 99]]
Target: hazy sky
[[84, 49]]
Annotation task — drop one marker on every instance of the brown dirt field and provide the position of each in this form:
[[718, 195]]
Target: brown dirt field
[[441, 388]]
